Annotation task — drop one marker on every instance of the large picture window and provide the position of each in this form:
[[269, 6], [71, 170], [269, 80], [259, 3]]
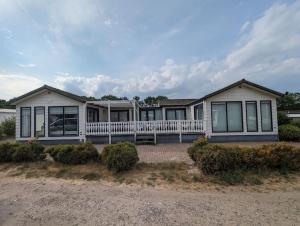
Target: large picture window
[[25, 122], [39, 121], [175, 114], [119, 116], [219, 122], [63, 121], [266, 116], [150, 114], [251, 112], [92, 115], [234, 116], [227, 116]]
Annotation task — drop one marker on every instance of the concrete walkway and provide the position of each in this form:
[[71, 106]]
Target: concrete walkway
[[161, 153]]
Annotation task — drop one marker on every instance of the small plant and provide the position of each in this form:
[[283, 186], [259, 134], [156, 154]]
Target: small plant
[[119, 157], [168, 176]]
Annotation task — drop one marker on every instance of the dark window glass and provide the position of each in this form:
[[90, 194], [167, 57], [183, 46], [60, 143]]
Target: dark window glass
[[266, 116], [63, 121], [219, 122], [39, 118], [234, 116], [251, 109], [70, 121], [56, 121], [175, 114], [25, 122]]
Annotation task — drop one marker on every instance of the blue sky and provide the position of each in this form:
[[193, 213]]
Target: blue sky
[[172, 47]]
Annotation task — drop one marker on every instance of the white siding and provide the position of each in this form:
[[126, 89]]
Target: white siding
[[242, 93], [47, 99]]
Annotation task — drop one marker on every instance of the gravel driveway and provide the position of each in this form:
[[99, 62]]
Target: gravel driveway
[[60, 202]]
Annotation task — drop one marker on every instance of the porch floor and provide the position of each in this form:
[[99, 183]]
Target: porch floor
[[161, 153]]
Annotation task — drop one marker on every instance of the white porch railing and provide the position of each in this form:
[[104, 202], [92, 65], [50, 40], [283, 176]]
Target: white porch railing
[[145, 127]]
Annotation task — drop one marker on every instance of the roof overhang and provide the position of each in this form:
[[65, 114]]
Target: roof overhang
[[43, 89], [113, 103], [241, 83]]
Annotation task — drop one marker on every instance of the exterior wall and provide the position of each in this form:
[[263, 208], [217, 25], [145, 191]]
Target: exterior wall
[[47, 99], [243, 93]]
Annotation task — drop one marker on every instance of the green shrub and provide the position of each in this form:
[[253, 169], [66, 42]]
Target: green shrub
[[74, 154], [6, 151], [282, 156], [8, 127], [119, 157], [283, 118], [28, 153], [289, 133], [296, 123], [197, 145], [214, 159]]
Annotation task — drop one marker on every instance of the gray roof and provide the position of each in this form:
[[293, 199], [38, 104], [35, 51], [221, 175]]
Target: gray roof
[[176, 102], [243, 81], [55, 90]]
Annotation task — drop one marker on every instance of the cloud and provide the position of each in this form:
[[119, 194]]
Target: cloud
[[27, 65], [13, 85], [269, 55]]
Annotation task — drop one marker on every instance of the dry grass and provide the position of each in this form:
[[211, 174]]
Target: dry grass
[[168, 174]]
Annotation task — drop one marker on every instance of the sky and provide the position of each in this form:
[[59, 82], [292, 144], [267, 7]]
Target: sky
[[177, 48]]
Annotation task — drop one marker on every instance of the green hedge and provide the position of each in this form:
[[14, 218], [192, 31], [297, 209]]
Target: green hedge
[[197, 145], [15, 152], [289, 132], [119, 157], [74, 154], [212, 159]]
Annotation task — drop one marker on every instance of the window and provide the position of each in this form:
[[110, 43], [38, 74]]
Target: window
[[63, 121], [25, 122], [119, 116], [219, 122], [251, 112], [227, 116], [150, 114], [175, 114], [234, 117], [266, 116], [158, 114], [93, 115], [39, 121], [198, 112]]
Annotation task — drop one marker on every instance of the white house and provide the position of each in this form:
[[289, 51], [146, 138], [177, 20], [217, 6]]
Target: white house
[[242, 111], [6, 114]]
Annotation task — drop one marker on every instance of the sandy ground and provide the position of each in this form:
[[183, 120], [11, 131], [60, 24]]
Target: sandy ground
[[61, 202]]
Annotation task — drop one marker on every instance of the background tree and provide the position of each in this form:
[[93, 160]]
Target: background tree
[[154, 100], [290, 101]]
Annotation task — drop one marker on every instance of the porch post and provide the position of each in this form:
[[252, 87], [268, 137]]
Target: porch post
[[109, 124], [134, 119]]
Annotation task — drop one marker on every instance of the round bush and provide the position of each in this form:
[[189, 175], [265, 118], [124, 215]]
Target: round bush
[[119, 157], [74, 154], [289, 133]]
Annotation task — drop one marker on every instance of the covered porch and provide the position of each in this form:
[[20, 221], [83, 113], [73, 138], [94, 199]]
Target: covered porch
[[111, 120]]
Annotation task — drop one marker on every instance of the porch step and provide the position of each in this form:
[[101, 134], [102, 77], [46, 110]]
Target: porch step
[[145, 139]]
